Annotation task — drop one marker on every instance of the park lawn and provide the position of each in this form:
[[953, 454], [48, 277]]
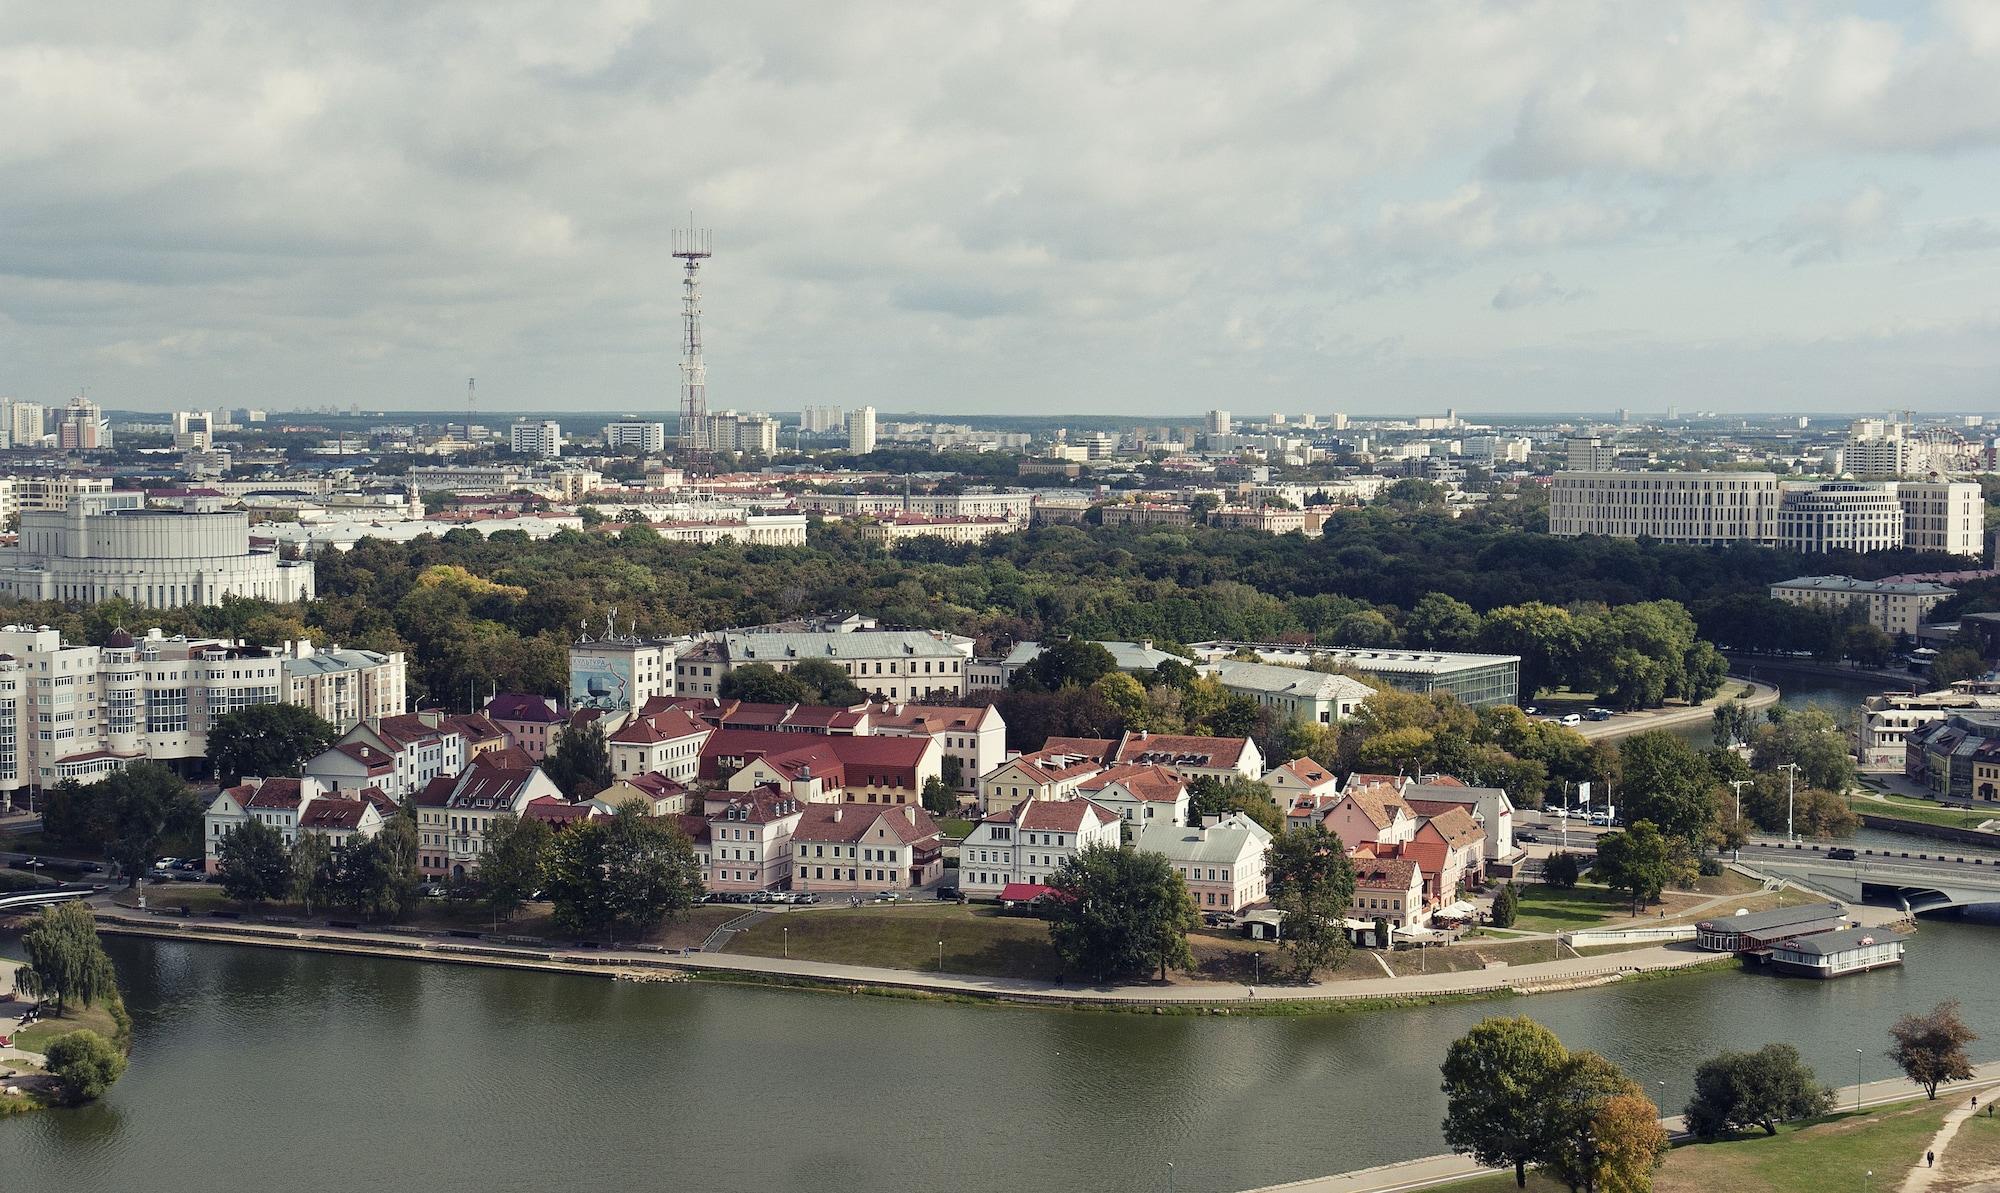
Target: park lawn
[[99, 1018], [1926, 812], [1546, 909], [1973, 1159], [1729, 882], [977, 940], [956, 829], [1800, 1158]]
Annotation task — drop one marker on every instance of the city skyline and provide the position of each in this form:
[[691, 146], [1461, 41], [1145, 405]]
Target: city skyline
[[1115, 211]]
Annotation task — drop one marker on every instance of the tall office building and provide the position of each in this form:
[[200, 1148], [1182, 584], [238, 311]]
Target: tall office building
[[1217, 422], [1589, 453], [861, 430], [540, 439], [1948, 516], [634, 433], [82, 427], [194, 430]]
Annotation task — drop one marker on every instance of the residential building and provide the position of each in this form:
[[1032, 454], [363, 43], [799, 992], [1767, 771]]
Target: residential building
[[1589, 453], [823, 768], [1029, 842], [53, 492], [656, 794], [861, 431], [842, 847], [1956, 758], [98, 549], [1217, 422], [82, 427], [820, 420], [894, 665], [1222, 863], [1888, 720], [1372, 812], [750, 838], [1146, 513], [1476, 679], [1947, 516], [398, 754], [455, 811], [1489, 808], [900, 529], [649, 438], [1294, 693], [976, 737], [1839, 516], [26, 423], [620, 672], [289, 807], [1878, 448], [1697, 508], [1016, 505], [666, 743], [542, 440], [1051, 773], [744, 434], [1139, 794], [1389, 889], [530, 722], [1301, 778], [1897, 608], [1192, 757], [343, 686]]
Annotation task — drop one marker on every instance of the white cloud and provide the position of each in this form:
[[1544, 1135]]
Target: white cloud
[[1826, 230], [1532, 289]]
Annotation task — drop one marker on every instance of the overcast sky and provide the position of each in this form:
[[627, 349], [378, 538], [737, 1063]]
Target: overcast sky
[[1131, 208]]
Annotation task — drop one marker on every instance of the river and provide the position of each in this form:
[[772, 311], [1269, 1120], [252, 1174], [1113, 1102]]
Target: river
[[261, 1069]]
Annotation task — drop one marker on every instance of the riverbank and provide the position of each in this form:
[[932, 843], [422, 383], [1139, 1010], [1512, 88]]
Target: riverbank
[[1890, 1115], [1580, 972], [1747, 692], [23, 1084]]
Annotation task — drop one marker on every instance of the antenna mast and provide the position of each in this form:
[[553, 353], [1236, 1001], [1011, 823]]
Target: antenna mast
[[692, 246], [468, 409]]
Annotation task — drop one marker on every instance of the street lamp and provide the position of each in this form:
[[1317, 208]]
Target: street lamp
[[1857, 1081], [788, 941], [1791, 790], [1170, 1176], [940, 956]]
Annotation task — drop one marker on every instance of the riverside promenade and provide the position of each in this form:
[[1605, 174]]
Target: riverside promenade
[[1428, 1171], [1761, 695]]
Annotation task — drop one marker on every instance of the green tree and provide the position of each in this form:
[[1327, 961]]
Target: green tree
[[1066, 662], [1496, 1078], [315, 871], [627, 871], [1574, 1148], [132, 811], [255, 865], [1667, 783], [1308, 876], [580, 764], [1737, 1090], [828, 682], [1118, 914], [1506, 907], [1544, 636], [65, 960], [761, 683], [1868, 645], [1638, 861], [267, 740], [1955, 663], [85, 1063], [1733, 723], [952, 770], [510, 871], [938, 797], [1210, 796], [378, 876], [1930, 1048], [1561, 870], [1809, 738], [1440, 622]]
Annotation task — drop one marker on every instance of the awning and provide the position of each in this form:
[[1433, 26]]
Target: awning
[[1459, 910]]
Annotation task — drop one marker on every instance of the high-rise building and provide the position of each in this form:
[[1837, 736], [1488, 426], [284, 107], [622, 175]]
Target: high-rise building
[[1701, 508], [744, 434], [861, 430], [1948, 516], [542, 440], [818, 420], [26, 422], [1876, 447], [83, 427], [1589, 453], [194, 430], [647, 437], [1839, 516], [1217, 422]]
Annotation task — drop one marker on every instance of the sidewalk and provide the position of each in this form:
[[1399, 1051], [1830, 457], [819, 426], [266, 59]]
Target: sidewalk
[[1626, 724], [1437, 1170]]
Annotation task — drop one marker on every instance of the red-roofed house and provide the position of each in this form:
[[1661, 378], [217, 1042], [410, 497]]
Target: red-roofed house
[[1026, 843], [1388, 889], [289, 807], [1301, 777], [1193, 757], [1045, 774], [656, 793], [453, 812], [1372, 814], [750, 839], [1140, 794], [530, 722], [667, 743], [817, 768], [849, 847], [976, 737], [398, 754]]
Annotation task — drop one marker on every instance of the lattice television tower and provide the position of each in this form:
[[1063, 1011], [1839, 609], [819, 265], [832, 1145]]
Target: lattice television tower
[[692, 246]]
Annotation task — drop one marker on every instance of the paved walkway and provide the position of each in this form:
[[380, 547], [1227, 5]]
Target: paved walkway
[[1923, 1175], [1438, 1170], [1627, 724]]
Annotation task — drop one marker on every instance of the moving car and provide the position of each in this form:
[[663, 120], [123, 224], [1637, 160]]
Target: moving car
[[1527, 838], [1572, 719], [1843, 854]]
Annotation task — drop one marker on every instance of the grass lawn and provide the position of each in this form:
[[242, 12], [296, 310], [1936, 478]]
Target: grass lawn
[[1973, 1159], [956, 829], [1927, 812], [1547, 909], [98, 1018], [1825, 1154], [977, 940]]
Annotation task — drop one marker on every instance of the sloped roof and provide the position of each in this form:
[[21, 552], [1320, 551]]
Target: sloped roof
[[1182, 751], [1147, 782], [522, 706], [847, 823]]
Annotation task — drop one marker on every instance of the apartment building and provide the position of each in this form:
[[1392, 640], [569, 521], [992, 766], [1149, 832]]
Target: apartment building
[[1948, 516], [620, 672], [893, 665], [397, 754], [1139, 794], [750, 838], [1839, 516], [900, 529], [1191, 757], [1051, 773], [530, 722], [1222, 863], [542, 440], [647, 437], [1029, 843], [1898, 608], [290, 807], [1697, 508], [455, 811], [665, 743], [842, 847], [344, 687], [744, 434]]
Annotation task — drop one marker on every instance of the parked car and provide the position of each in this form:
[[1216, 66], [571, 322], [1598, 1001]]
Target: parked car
[[1532, 710], [1601, 819], [886, 896], [807, 898], [949, 894], [1557, 813], [188, 864], [1572, 719], [1526, 837], [1598, 714], [1843, 854]]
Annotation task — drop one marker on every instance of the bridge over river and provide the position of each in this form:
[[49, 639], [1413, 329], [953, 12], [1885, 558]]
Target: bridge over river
[[1918, 881]]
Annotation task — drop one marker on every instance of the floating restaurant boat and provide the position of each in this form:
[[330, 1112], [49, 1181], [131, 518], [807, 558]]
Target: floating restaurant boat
[[1836, 954]]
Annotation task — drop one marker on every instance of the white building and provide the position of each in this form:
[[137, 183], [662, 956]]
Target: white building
[[1699, 508], [647, 437], [818, 420], [1292, 692], [1839, 516], [289, 807], [154, 558], [1139, 794], [744, 434], [1895, 608], [542, 440], [762, 530], [1029, 842], [892, 665], [1013, 504], [621, 672], [1948, 516], [861, 430], [344, 687], [1589, 453], [25, 423], [1222, 863]]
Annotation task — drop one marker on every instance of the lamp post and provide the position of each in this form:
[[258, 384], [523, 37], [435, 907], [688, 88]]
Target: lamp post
[[1170, 1176], [788, 941], [1791, 770], [1857, 1081], [940, 956]]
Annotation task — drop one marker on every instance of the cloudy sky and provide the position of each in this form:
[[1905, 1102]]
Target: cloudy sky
[[1147, 208]]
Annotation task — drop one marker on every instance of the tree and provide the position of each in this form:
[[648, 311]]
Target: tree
[[828, 682], [1210, 796], [580, 764], [267, 740], [1667, 783], [315, 871], [1638, 861], [510, 871], [1441, 622], [1868, 645], [378, 876], [1810, 738], [1954, 663], [1506, 907], [761, 683], [255, 865], [1734, 722], [1544, 636], [952, 770], [1067, 662], [65, 960], [1308, 876], [938, 797], [131, 810], [1930, 1049], [1495, 1079], [1561, 870], [626, 871], [1118, 913], [1631, 1144], [1737, 1090], [86, 1063], [1574, 1145]]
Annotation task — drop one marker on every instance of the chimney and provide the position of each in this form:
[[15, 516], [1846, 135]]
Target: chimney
[[910, 813], [836, 813]]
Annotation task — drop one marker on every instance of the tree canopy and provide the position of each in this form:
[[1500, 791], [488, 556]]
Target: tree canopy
[[1638, 861], [1496, 1079], [1930, 1048], [85, 1063], [65, 962], [1119, 913], [1308, 876], [1737, 1090], [267, 740], [256, 867]]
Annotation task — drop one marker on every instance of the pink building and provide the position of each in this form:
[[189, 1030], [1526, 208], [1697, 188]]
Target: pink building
[[530, 722], [1222, 863], [858, 848], [750, 838]]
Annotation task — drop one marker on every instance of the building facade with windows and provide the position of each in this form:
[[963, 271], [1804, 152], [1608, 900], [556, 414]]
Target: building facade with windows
[[101, 548], [893, 665], [1839, 516], [1029, 842], [1698, 508], [1222, 863], [1948, 516], [1893, 607]]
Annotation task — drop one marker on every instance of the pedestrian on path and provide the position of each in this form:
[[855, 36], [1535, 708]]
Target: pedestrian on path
[[1930, 1159]]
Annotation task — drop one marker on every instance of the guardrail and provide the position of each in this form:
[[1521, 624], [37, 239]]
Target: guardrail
[[1884, 855], [1596, 936]]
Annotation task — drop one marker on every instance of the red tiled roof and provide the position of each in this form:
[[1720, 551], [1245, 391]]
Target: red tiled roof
[[1311, 773], [1095, 747], [1028, 892], [332, 814], [1147, 782], [520, 706], [272, 793], [848, 823], [1456, 826], [1385, 874], [658, 727], [1059, 816], [555, 811], [1181, 750]]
